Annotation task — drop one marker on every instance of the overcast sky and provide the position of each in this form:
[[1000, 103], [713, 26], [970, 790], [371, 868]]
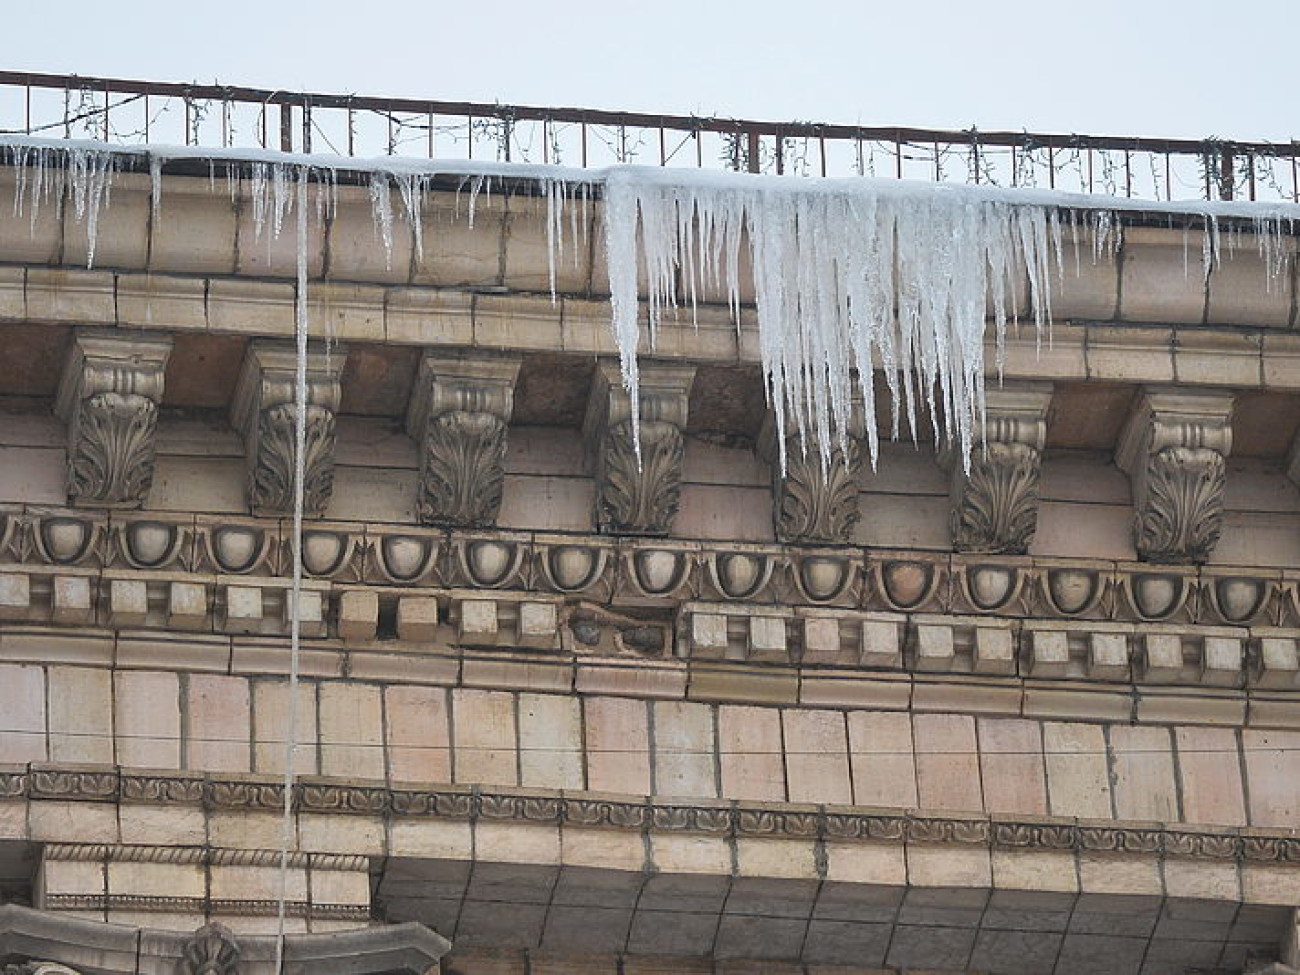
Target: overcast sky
[[1190, 68]]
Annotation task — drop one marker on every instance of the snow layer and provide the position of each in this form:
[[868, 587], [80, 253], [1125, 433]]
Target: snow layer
[[848, 275]]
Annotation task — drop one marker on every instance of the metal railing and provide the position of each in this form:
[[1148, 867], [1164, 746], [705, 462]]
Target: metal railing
[[136, 112]]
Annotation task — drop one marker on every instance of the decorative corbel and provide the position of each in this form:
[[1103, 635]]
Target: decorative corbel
[[458, 415], [211, 950], [995, 502], [637, 498], [265, 414], [108, 396], [1173, 449], [815, 500]]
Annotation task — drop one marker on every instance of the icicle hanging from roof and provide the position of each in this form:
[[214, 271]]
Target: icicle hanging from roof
[[847, 276]]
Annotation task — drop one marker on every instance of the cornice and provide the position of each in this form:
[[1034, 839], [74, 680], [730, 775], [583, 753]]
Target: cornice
[[825, 823]]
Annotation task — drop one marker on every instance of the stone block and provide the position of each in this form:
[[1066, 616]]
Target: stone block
[[617, 745], [1078, 776], [187, 605], [147, 719], [538, 625], [71, 600], [684, 749], [218, 725], [1162, 658], [1142, 770], [417, 618], [935, 649], [881, 643], [486, 746], [311, 612], [128, 602], [821, 639], [1049, 653], [1279, 662], [81, 715], [751, 754], [947, 762], [1108, 656], [708, 634], [884, 764], [995, 650], [358, 615], [817, 761], [1221, 661], [244, 609], [767, 637], [351, 730], [550, 741], [479, 623], [15, 595]]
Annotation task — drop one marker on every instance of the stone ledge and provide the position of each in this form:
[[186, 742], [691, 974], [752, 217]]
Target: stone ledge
[[315, 795]]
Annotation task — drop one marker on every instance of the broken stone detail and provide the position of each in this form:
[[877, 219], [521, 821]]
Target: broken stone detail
[[815, 500], [1174, 449], [638, 495], [108, 397], [459, 415], [211, 950], [265, 414], [995, 503]]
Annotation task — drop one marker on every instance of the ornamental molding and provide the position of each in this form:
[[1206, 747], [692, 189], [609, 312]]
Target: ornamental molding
[[458, 415], [121, 949], [709, 817], [815, 484], [265, 413], [637, 461], [1174, 449], [995, 501], [108, 396]]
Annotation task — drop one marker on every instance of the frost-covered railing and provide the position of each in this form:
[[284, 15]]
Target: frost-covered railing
[[218, 116]]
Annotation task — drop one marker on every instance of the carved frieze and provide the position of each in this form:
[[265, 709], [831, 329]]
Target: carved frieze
[[815, 497], [265, 413], [109, 394], [458, 415], [1174, 449], [637, 464], [995, 501]]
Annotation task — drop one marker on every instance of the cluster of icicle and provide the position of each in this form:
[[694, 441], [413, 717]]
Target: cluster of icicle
[[848, 276]]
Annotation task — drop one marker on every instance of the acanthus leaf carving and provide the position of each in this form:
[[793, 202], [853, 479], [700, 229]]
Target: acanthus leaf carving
[[640, 496], [1183, 515], [459, 415], [637, 459], [109, 397], [816, 500], [265, 412], [995, 510], [463, 470], [1174, 449], [271, 477]]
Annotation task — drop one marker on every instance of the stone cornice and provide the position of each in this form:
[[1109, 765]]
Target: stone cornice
[[584, 810]]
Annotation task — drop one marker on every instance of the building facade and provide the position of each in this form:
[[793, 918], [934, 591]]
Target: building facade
[[583, 691]]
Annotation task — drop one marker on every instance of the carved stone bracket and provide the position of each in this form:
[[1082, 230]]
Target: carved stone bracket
[[108, 396], [637, 498], [1174, 449], [995, 503], [211, 950], [459, 414], [264, 413], [815, 500]]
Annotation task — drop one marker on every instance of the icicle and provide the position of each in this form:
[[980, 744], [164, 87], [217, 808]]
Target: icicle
[[295, 592]]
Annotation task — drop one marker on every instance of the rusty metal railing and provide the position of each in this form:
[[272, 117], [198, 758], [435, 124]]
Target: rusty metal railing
[[135, 112]]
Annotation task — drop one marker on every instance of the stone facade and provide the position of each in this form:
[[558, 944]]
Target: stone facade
[[578, 710]]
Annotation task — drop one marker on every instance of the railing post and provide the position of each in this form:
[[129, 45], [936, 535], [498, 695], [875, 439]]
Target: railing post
[[1227, 178], [753, 152], [286, 127]]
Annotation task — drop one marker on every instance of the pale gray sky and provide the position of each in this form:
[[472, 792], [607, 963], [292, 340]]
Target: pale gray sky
[[1190, 68]]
